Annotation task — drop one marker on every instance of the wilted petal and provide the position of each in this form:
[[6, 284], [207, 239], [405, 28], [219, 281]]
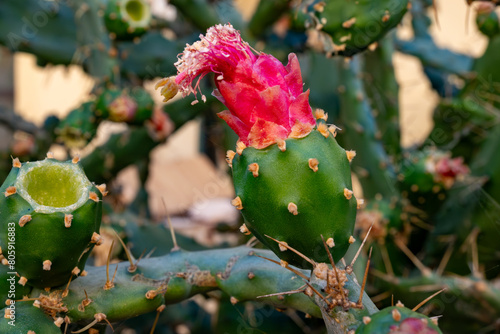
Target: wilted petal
[[236, 124], [264, 133], [300, 110], [294, 77]]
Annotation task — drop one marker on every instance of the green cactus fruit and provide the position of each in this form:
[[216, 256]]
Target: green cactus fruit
[[51, 214], [398, 320], [297, 191], [354, 25], [127, 19], [78, 128], [28, 319], [487, 19], [9, 287], [133, 107]]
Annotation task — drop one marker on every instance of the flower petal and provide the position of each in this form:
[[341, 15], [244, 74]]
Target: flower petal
[[264, 133], [294, 77], [300, 110], [236, 124]]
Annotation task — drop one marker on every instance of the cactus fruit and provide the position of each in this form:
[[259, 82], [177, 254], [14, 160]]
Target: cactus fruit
[[78, 128], [51, 215], [398, 320], [292, 180], [127, 18], [28, 319], [134, 107]]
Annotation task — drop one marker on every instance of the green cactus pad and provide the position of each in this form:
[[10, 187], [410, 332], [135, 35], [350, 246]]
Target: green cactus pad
[[78, 128], [28, 319], [398, 320], [291, 202], [127, 18], [50, 212]]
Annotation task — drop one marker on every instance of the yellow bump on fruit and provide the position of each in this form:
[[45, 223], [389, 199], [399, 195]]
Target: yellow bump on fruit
[[330, 242], [59, 321], [372, 47], [47, 264], [22, 280], [10, 191], [168, 88], [347, 193], [313, 164], [399, 304], [425, 321], [283, 263], [24, 220], [237, 203], [349, 23], [5, 262], [320, 114], [386, 16], [254, 168], [83, 273], [240, 146], [229, 157], [50, 155], [351, 239], [323, 129], [396, 315], [292, 208], [244, 229], [233, 300], [7, 314], [367, 320], [8, 302], [37, 303], [414, 188], [75, 159], [75, 271], [281, 144], [282, 245], [359, 203], [333, 130], [350, 155], [96, 239], [68, 218], [16, 163], [250, 275], [93, 196], [102, 189], [435, 320], [151, 294]]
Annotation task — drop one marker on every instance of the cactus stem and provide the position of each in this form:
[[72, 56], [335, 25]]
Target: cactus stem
[[229, 157], [236, 202], [313, 164], [244, 229], [10, 191], [254, 168], [109, 284], [396, 315], [323, 129], [281, 144], [422, 303], [360, 300], [292, 208], [47, 264], [16, 163], [22, 280], [295, 251], [423, 269], [68, 218], [24, 220], [347, 193]]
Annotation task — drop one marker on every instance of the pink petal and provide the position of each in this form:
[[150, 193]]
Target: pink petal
[[300, 110], [264, 133], [236, 124], [268, 72], [294, 77]]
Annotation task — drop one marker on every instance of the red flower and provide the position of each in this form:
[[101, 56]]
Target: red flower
[[265, 100]]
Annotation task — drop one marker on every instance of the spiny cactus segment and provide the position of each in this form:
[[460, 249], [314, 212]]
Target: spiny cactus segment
[[126, 19]]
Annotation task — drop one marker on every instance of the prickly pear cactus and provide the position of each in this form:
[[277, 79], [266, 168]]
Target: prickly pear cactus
[[27, 318], [51, 215], [134, 106], [306, 190], [398, 320]]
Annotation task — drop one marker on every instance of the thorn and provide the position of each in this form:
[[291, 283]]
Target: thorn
[[252, 242], [50, 155], [24, 220], [367, 320], [254, 168], [347, 193], [130, 257], [46, 265], [282, 246], [296, 272], [102, 189], [281, 144], [158, 311], [67, 220], [96, 239], [350, 155], [423, 269], [98, 317], [59, 321], [396, 315], [360, 300], [446, 257], [320, 114], [399, 304], [330, 242], [426, 300], [230, 154], [295, 251], [16, 163], [66, 291], [323, 129], [240, 146], [75, 159], [22, 280], [313, 164], [75, 271], [291, 292], [10, 191], [319, 294], [333, 130], [352, 239], [244, 229], [237, 203], [361, 247], [386, 259], [170, 226], [93, 196], [292, 208], [109, 284]]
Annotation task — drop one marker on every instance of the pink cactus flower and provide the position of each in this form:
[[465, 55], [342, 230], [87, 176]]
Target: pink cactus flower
[[265, 100], [445, 169]]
